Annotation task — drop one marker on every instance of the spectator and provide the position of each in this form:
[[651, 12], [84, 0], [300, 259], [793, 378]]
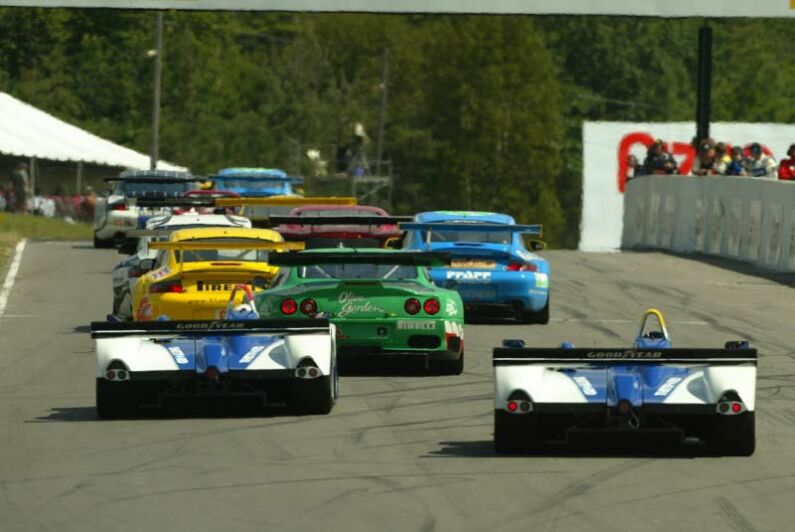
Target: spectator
[[21, 183], [633, 168], [786, 169], [723, 159], [706, 162], [760, 165], [735, 167], [658, 160]]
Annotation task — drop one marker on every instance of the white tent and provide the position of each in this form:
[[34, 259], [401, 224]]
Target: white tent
[[26, 131]]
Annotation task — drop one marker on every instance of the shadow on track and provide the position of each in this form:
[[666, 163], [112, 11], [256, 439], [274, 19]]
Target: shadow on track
[[591, 447], [81, 329], [787, 279], [88, 414]]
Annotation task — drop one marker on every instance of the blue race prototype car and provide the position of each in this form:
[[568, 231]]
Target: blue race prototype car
[[496, 275]]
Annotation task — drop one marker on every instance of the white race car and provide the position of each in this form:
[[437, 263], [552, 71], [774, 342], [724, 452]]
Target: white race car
[[704, 396], [118, 213], [288, 364], [126, 272]]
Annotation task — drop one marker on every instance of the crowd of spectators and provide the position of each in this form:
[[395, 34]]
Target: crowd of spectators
[[715, 159], [16, 196]]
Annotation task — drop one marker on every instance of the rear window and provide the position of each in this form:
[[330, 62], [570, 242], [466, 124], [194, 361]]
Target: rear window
[[481, 237], [336, 212], [133, 189], [387, 272], [243, 254], [253, 184]]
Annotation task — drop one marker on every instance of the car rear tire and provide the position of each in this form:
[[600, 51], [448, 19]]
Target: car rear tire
[[447, 367], [541, 317], [313, 397], [101, 244], [733, 435], [515, 433], [115, 400]]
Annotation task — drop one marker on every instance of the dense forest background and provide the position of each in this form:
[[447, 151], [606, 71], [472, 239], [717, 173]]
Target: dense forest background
[[484, 112]]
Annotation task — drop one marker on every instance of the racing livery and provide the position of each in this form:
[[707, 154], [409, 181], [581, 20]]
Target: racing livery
[[491, 267], [118, 213], [704, 396], [332, 225], [382, 301], [197, 269], [270, 363]]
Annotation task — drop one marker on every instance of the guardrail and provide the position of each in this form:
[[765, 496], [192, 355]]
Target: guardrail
[[741, 218]]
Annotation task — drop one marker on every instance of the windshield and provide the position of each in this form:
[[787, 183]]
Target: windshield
[[336, 212], [481, 237], [390, 272], [207, 255], [253, 184], [132, 188]]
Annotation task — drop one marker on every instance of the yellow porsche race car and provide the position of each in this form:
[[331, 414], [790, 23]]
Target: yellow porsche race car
[[197, 269]]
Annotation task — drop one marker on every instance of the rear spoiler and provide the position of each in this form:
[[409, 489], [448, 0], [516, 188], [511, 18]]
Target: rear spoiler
[[398, 258], [516, 356], [337, 220], [102, 329], [534, 230], [297, 201], [196, 201], [193, 245]]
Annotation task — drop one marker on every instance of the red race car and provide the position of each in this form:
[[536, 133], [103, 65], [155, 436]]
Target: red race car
[[323, 226]]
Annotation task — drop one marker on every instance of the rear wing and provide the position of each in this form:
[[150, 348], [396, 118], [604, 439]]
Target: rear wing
[[155, 179], [195, 201], [102, 329], [398, 258], [518, 356], [193, 245], [297, 201], [534, 230], [371, 221]]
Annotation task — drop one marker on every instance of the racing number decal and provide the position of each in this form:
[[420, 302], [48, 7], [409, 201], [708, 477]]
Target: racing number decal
[[668, 386], [178, 354], [252, 353]]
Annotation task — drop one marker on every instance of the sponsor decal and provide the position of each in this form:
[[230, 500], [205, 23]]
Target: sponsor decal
[[624, 354], [526, 255], [218, 286], [668, 386], [469, 276], [451, 309], [423, 325], [454, 328], [178, 354], [252, 353], [209, 325], [355, 304], [162, 272], [585, 386], [542, 280]]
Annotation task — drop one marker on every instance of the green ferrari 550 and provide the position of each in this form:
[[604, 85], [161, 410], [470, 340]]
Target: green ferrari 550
[[382, 302]]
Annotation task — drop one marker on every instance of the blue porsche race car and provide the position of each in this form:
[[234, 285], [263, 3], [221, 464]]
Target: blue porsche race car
[[256, 182], [496, 275]]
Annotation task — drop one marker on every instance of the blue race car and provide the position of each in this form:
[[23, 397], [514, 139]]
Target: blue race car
[[492, 269], [256, 182]]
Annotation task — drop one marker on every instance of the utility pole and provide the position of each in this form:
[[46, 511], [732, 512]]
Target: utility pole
[[704, 82], [158, 51], [382, 111]]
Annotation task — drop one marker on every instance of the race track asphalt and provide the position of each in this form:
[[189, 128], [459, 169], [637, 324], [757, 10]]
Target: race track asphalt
[[397, 453]]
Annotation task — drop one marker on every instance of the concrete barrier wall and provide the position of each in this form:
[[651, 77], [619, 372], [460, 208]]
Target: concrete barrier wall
[[741, 218]]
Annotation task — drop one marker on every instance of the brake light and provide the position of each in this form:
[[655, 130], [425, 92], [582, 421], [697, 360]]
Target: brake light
[[521, 267], [431, 306], [513, 406], [309, 307], [119, 207], [166, 287], [736, 407], [412, 306], [289, 306]]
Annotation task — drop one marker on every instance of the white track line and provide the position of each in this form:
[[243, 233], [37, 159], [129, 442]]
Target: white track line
[[12, 275]]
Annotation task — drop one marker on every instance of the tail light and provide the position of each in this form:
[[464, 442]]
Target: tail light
[[431, 306], [731, 408], [119, 207], [412, 306], [521, 267], [309, 307], [289, 306], [166, 287]]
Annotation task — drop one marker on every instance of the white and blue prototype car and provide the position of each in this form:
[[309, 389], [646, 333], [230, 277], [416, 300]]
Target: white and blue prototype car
[[267, 363], [705, 396]]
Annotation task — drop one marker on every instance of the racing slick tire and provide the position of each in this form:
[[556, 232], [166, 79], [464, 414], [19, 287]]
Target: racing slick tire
[[115, 400], [101, 244], [733, 435], [447, 367], [541, 317], [515, 433], [313, 397]]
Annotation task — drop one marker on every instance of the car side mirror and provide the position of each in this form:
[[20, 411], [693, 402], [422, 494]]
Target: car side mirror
[[146, 265], [537, 245], [128, 247], [393, 242]]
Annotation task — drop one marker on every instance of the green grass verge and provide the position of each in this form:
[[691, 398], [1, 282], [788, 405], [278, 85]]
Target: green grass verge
[[16, 226]]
